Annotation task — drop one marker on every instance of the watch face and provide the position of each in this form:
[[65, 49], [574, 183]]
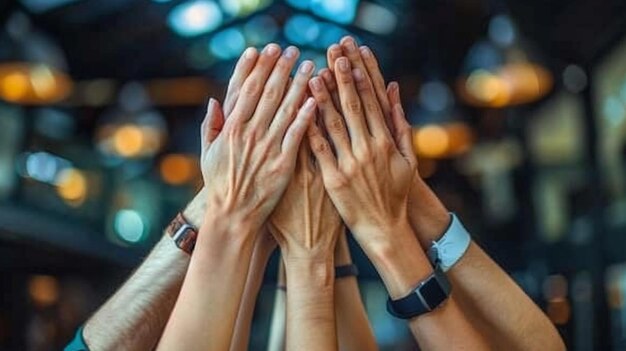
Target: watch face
[[433, 293]]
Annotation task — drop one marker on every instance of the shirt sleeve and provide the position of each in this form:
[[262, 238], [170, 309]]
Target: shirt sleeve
[[78, 343]]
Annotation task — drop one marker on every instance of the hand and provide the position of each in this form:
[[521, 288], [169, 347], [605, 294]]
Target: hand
[[370, 178], [305, 222], [250, 162]]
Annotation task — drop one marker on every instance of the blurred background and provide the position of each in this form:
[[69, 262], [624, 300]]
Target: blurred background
[[519, 109]]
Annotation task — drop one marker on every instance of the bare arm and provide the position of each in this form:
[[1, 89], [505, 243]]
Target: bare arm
[[368, 182], [263, 248], [249, 166], [353, 328], [134, 317]]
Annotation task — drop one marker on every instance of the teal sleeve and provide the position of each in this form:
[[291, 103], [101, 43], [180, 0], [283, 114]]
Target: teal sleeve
[[78, 343]]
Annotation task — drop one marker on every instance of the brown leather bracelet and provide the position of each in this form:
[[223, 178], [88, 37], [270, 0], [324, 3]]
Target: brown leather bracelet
[[183, 233]]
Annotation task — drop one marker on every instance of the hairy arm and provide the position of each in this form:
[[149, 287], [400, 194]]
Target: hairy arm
[[134, 317]]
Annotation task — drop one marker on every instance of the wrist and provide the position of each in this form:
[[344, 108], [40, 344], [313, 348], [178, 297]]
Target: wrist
[[428, 216], [307, 273], [196, 209], [400, 261]]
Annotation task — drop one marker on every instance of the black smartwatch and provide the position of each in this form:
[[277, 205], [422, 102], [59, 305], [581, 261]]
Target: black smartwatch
[[431, 293]]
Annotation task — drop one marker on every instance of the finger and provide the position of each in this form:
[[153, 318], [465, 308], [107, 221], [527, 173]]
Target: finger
[[242, 70], [321, 148], [350, 102], [252, 87], [332, 54], [294, 97], [331, 85], [373, 112], [274, 89], [378, 80], [331, 118], [212, 124], [351, 51], [393, 94], [296, 130], [404, 134]]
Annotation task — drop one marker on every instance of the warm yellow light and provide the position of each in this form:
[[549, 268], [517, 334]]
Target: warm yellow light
[[72, 186], [511, 84], [15, 86], [179, 169], [32, 84], [559, 311], [128, 141], [431, 141], [43, 290]]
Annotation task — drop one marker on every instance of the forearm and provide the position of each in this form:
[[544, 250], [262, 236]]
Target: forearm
[[354, 331], [487, 295], [134, 317], [402, 265], [310, 305], [241, 335], [205, 312]]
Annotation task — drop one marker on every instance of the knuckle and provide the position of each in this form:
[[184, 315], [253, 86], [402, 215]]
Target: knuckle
[[251, 87], [370, 106], [335, 125], [320, 147], [288, 110], [345, 79], [384, 144], [354, 106], [271, 93]]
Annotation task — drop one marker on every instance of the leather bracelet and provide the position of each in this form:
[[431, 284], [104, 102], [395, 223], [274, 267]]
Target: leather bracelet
[[183, 233], [343, 271]]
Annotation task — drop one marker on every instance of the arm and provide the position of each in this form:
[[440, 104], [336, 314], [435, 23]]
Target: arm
[[134, 317], [480, 276], [369, 181], [306, 226], [353, 327], [494, 302], [249, 165], [279, 314], [263, 248]]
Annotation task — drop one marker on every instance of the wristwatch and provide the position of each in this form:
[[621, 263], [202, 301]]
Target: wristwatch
[[183, 233], [448, 250], [429, 294]]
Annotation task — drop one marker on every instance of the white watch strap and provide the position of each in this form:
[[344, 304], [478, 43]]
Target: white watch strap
[[452, 245]]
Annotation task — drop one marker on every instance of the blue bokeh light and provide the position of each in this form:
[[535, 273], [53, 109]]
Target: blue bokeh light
[[340, 11], [228, 44], [302, 30], [195, 17]]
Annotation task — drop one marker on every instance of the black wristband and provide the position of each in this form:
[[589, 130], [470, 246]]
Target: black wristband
[[347, 270]]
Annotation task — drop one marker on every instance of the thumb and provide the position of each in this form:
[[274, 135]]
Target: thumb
[[212, 124]]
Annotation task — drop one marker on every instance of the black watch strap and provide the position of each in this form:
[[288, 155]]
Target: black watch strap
[[347, 270], [431, 293]]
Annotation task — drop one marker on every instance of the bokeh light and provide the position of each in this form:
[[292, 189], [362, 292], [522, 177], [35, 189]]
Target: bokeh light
[[33, 84], [129, 225], [340, 11], [177, 169], [43, 290], [72, 186], [302, 30], [228, 44], [376, 18], [195, 17]]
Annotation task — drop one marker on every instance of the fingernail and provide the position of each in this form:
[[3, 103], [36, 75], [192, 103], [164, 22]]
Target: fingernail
[[291, 52], [365, 51], [358, 74], [271, 49], [310, 102], [343, 64], [350, 44], [249, 53], [316, 84], [209, 106], [306, 67], [335, 50]]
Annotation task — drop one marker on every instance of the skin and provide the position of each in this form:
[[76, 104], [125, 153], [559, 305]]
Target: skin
[[247, 169], [306, 226], [368, 181], [134, 317], [489, 298]]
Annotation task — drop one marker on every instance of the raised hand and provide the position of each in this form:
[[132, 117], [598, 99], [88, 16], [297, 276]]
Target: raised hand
[[250, 163], [305, 223], [370, 177]]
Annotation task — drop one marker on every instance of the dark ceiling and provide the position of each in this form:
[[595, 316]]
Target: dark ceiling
[[129, 39]]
